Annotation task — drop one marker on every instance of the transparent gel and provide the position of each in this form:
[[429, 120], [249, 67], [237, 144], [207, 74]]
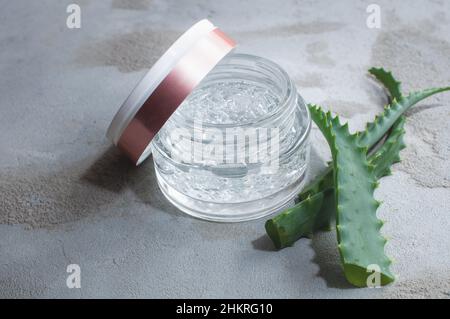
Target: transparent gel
[[243, 93]]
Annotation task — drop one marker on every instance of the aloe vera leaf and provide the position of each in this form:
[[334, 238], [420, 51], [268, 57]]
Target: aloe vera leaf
[[302, 220], [389, 82], [382, 123], [359, 241], [324, 181]]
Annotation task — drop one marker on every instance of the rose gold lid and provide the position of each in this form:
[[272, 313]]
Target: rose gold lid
[[165, 86]]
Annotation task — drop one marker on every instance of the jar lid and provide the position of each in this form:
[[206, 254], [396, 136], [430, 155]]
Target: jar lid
[[165, 86]]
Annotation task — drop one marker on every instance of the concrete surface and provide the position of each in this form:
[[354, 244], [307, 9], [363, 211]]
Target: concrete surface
[[67, 197]]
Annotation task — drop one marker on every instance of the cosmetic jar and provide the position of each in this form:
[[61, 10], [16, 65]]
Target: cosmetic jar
[[230, 145]]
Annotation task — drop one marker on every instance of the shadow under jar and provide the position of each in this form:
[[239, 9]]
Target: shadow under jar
[[238, 147]]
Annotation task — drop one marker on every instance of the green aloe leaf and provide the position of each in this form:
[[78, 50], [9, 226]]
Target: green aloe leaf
[[359, 241], [381, 159]]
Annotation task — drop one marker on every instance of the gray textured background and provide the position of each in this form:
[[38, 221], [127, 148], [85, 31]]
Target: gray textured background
[[67, 197]]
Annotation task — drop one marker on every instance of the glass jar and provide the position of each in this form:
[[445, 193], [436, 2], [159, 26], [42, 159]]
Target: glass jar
[[238, 147]]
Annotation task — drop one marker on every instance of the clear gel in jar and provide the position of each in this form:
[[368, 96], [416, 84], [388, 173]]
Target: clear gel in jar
[[238, 147]]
